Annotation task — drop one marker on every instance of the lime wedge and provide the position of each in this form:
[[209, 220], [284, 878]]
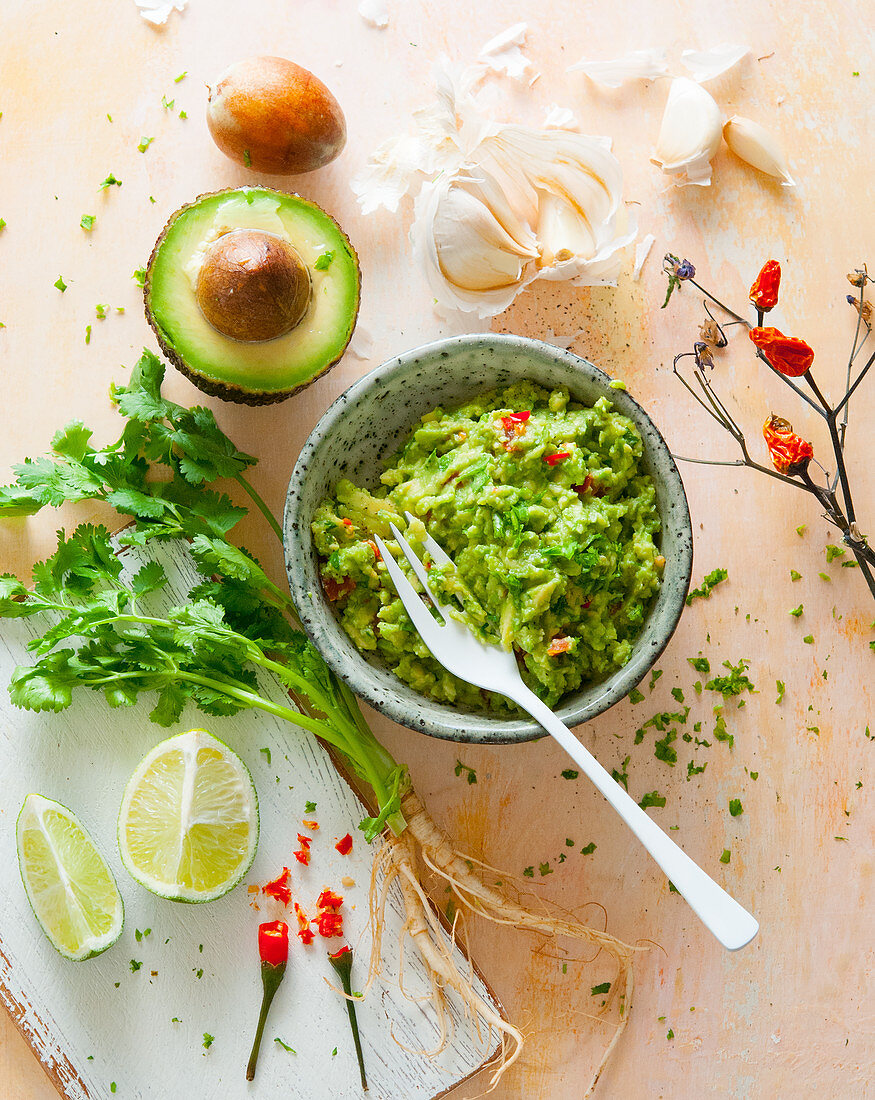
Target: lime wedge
[[70, 888], [188, 824]]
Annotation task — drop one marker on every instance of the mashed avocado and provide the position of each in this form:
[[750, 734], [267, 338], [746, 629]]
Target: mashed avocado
[[543, 507]]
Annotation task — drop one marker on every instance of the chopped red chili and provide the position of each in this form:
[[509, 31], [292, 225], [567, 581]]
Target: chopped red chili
[[377, 555], [305, 933], [273, 943], [279, 888], [558, 645], [305, 840], [310, 824], [303, 856], [329, 900], [589, 486], [344, 845], [329, 924], [335, 591], [560, 456], [346, 522], [273, 950]]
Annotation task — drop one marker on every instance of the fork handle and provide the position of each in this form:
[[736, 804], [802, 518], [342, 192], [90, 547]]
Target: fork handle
[[722, 915]]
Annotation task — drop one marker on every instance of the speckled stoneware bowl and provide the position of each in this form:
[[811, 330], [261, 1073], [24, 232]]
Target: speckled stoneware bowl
[[357, 437]]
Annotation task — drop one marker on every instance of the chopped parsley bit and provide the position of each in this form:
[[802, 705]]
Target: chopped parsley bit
[[141, 935], [101, 310], [569, 843], [562, 857], [808, 639], [181, 76], [334, 1053], [135, 966], [654, 676], [781, 688], [112, 1086], [693, 770], [109, 118], [167, 104], [833, 552], [797, 611], [795, 576], [670, 1034], [110, 181], [470, 774], [677, 693], [859, 784], [152, 199], [672, 889], [623, 775], [266, 754], [652, 798], [529, 872], [139, 276], [733, 684], [247, 159], [754, 775], [700, 664], [709, 583], [309, 807], [726, 856], [183, 115], [597, 990], [800, 530], [570, 773], [735, 807], [208, 1040], [824, 576], [720, 731], [199, 973], [174, 1019], [88, 334], [635, 696], [324, 261], [662, 750], [588, 849], [60, 284], [285, 1046], [545, 868], [144, 143]]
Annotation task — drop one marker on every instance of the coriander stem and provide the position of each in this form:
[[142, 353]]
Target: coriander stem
[[260, 505]]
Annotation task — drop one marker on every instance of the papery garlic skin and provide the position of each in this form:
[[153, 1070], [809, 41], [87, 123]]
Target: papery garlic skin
[[756, 146], [503, 53], [689, 135], [613, 73], [709, 64]]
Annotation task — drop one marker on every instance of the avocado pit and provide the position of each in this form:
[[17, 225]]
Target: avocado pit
[[252, 286]]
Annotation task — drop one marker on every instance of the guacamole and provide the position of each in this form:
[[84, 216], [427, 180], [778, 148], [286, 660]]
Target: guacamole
[[542, 505]]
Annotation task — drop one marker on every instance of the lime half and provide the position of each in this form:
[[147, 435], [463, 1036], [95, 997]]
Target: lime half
[[70, 887], [188, 824]]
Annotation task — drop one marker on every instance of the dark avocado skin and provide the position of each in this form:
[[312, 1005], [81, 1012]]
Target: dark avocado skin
[[222, 390]]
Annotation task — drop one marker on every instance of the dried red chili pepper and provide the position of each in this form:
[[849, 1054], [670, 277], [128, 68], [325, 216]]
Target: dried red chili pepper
[[560, 456], [764, 292], [344, 845], [789, 452], [787, 354], [273, 950], [341, 961], [279, 887]]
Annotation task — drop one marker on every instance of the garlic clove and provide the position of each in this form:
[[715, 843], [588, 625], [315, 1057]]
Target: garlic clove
[[690, 133], [637, 65], [708, 64], [473, 250], [563, 231], [756, 146]]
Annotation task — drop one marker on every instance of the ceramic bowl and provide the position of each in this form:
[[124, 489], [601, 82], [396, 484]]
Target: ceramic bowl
[[356, 439]]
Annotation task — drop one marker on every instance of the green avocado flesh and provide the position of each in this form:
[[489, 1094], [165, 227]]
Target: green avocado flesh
[[549, 519], [273, 366]]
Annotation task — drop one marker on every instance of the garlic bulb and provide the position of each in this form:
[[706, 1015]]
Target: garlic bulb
[[508, 205], [755, 145], [690, 133]]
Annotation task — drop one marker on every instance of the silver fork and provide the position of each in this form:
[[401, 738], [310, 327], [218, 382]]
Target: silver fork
[[493, 668]]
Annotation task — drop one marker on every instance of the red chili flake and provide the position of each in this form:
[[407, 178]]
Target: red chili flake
[[329, 900], [305, 840], [333, 590], [344, 845], [346, 522], [514, 426], [790, 453], [279, 887], [377, 555], [560, 456], [303, 856], [304, 931], [558, 645], [787, 354], [764, 292], [329, 925], [586, 604], [310, 824], [589, 486]]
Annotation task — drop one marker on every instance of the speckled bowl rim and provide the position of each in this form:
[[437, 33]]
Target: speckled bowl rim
[[377, 684]]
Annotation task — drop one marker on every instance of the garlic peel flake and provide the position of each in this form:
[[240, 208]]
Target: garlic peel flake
[[613, 73], [642, 251], [756, 146], [503, 53], [690, 133], [157, 12], [375, 13], [708, 64]]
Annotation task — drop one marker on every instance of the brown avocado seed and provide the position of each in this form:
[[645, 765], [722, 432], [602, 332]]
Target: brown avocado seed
[[253, 286]]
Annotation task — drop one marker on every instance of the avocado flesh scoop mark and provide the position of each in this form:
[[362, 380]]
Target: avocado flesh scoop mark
[[253, 286]]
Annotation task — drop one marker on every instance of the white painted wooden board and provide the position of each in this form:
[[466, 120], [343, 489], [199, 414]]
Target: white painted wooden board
[[96, 1022]]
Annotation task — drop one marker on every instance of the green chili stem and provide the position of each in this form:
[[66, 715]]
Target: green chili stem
[[271, 976], [342, 965]]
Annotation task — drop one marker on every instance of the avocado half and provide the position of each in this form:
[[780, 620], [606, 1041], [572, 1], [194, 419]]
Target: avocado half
[[252, 371]]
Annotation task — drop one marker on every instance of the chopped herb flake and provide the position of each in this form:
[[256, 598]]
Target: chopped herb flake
[[569, 843], [700, 664], [794, 575], [652, 798], [635, 696], [800, 530], [135, 966], [709, 583], [144, 143], [833, 552], [545, 868], [247, 159], [87, 222], [677, 693], [570, 773], [60, 284], [597, 990], [469, 773], [529, 872], [781, 687], [797, 611], [139, 276], [112, 1086], [309, 807], [88, 334], [824, 576], [265, 752], [110, 181], [808, 639], [654, 676], [622, 776], [735, 807], [726, 856], [208, 1040], [588, 849], [324, 261], [181, 76], [285, 1046], [733, 684], [670, 1034], [167, 104]]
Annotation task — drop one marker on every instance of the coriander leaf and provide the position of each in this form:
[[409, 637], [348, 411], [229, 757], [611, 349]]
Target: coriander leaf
[[47, 686], [570, 773], [171, 702], [136, 503], [72, 441], [597, 990], [121, 694], [726, 856], [110, 181], [735, 807], [700, 664], [652, 798], [588, 849], [56, 483], [148, 578], [635, 696], [87, 222], [16, 501], [141, 399], [709, 583]]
